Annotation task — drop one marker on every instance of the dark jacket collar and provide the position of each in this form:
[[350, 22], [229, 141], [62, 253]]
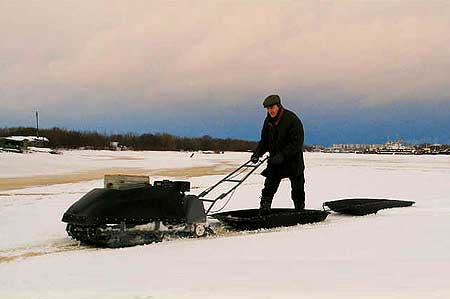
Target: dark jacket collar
[[274, 121]]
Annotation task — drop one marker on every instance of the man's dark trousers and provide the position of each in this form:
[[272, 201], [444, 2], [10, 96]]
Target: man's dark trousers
[[297, 191]]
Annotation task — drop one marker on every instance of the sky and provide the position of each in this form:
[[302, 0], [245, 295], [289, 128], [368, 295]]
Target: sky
[[353, 71]]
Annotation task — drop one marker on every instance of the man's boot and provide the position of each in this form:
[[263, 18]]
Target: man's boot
[[264, 205], [298, 197], [299, 206]]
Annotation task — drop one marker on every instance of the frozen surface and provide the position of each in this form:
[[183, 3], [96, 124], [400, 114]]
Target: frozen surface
[[397, 253], [36, 163]]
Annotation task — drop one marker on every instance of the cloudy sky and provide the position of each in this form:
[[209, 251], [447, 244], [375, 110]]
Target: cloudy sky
[[354, 71]]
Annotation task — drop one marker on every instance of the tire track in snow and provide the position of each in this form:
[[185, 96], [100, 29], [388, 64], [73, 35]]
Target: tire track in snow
[[23, 252], [222, 167]]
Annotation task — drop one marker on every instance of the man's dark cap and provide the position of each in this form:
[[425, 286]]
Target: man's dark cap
[[271, 100]]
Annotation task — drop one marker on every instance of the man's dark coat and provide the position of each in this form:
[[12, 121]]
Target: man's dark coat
[[283, 135]]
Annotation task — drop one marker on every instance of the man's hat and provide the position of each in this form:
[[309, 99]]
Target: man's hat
[[271, 100]]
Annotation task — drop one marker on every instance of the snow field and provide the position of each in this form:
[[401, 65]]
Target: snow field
[[397, 253]]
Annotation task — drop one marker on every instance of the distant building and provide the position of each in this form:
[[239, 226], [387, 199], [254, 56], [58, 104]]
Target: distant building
[[114, 145], [353, 148], [390, 147], [314, 148], [396, 147], [435, 149], [20, 144]]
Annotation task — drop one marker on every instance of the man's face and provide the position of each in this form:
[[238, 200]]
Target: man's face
[[273, 110]]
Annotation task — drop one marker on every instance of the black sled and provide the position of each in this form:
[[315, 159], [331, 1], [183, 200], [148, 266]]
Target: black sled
[[252, 219], [364, 206]]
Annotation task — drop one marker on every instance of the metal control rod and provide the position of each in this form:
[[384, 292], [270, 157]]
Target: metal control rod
[[229, 178]]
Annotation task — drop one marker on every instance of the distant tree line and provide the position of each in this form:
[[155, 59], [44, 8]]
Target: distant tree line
[[70, 139]]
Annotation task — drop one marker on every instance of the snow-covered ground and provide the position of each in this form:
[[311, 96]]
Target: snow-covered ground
[[13, 165], [397, 253]]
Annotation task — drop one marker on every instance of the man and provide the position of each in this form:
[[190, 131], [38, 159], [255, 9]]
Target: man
[[282, 136]]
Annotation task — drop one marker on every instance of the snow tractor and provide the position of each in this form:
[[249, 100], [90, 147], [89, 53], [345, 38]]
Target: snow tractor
[[130, 211], [128, 214]]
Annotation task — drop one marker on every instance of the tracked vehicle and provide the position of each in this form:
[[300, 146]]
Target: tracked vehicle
[[127, 213]]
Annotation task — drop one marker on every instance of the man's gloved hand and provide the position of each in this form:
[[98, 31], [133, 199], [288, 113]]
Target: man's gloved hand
[[276, 160], [254, 158]]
